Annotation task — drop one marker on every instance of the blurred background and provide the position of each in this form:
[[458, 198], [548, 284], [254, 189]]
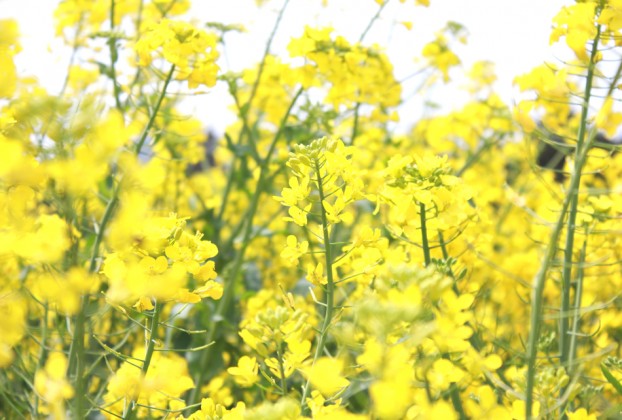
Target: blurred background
[[514, 35]]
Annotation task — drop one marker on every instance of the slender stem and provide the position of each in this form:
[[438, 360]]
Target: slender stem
[[225, 197], [279, 356], [540, 279], [153, 336], [102, 227], [330, 282], [572, 217], [265, 54], [43, 349], [154, 114], [77, 357], [577, 308], [355, 123], [572, 354], [373, 19], [114, 55], [454, 394], [424, 236]]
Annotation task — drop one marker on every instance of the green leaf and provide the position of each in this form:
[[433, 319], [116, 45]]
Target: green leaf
[[612, 380]]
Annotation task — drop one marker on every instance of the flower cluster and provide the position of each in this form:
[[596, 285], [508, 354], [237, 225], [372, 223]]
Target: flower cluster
[[192, 51], [155, 261]]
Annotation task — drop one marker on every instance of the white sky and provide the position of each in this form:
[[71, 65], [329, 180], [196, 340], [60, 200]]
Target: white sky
[[511, 33]]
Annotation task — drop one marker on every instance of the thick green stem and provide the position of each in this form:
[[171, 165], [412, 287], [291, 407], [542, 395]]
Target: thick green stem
[[570, 226], [330, 283], [454, 394], [569, 204], [153, 336]]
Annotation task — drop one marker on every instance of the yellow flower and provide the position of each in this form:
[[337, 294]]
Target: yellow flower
[[245, 373], [576, 23], [581, 414], [443, 373], [294, 250], [391, 398], [326, 376], [315, 274], [166, 380], [52, 385], [518, 409], [192, 50]]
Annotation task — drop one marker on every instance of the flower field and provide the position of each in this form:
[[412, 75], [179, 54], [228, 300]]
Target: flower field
[[312, 261]]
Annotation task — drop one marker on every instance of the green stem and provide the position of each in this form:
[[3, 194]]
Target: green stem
[[279, 355], [572, 354], [570, 226], [540, 279], [153, 336], [265, 55], [424, 236], [373, 19], [355, 123], [77, 346], [114, 55], [154, 114], [330, 283], [42, 350], [454, 394]]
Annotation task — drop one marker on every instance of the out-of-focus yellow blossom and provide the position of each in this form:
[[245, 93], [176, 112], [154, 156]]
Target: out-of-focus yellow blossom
[[46, 241], [323, 410], [63, 292], [440, 56], [9, 46], [80, 77], [576, 23], [71, 13], [443, 374], [608, 120], [154, 259], [13, 311], [356, 74], [518, 409], [211, 411], [53, 387], [581, 414], [326, 375], [294, 250], [245, 373], [158, 389], [191, 50]]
